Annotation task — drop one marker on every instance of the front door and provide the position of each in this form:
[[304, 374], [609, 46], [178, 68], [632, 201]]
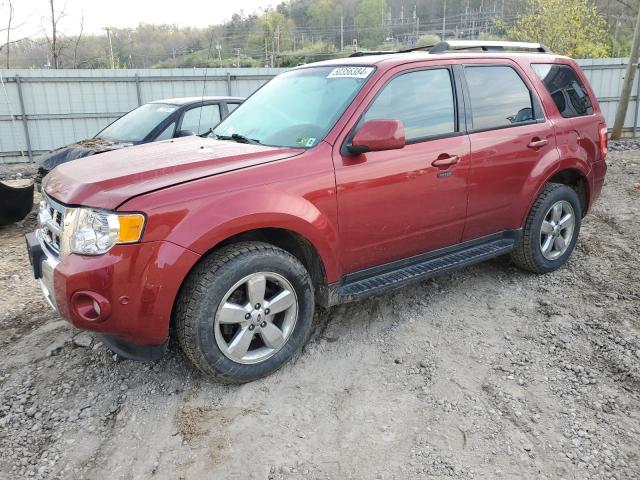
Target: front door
[[396, 204]]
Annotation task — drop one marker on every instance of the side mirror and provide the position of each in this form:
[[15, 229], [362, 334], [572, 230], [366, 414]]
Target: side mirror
[[378, 135], [184, 133]]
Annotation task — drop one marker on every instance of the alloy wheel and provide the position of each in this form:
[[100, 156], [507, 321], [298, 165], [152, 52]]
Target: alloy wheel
[[256, 317], [557, 230]]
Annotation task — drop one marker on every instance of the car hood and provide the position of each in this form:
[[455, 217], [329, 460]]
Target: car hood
[[110, 179], [84, 148]]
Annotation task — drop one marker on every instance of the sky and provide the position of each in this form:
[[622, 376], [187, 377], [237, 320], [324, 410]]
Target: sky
[[32, 14]]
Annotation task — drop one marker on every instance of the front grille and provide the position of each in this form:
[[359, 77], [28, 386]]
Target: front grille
[[51, 222]]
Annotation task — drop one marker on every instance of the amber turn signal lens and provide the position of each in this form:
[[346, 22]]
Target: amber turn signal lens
[[131, 225]]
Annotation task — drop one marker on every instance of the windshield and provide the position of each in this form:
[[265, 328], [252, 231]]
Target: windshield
[[137, 124], [297, 108]]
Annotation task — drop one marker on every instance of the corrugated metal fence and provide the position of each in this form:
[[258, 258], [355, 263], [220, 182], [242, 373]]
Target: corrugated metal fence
[[45, 109]]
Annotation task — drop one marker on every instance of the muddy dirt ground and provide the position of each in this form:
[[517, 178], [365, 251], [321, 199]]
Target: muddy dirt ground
[[488, 372]]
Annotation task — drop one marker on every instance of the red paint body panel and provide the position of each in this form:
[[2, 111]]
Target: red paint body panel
[[297, 194], [357, 211], [378, 135], [108, 180], [393, 204], [149, 275]]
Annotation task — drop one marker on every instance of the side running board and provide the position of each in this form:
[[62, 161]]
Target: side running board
[[397, 274]]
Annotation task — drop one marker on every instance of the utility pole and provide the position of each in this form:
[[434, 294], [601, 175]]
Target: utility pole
[[108, 29], [444, 19], [627, 85], [341, 33]]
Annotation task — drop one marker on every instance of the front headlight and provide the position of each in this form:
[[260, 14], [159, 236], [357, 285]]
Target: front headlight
[[94, 232]]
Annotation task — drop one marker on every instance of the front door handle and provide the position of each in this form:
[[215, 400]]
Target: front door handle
[[537, 142], [445, 160]]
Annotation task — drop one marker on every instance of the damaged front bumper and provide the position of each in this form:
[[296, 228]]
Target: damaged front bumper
[[43, 265]]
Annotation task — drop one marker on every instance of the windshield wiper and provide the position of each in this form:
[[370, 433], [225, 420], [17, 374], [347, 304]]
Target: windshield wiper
[[236, 137]]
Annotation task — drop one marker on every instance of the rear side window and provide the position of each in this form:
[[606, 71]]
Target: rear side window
[[566, 89], [499, 97], [422, 100]]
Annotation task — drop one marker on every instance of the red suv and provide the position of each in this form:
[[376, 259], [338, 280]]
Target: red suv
[[334, 181]]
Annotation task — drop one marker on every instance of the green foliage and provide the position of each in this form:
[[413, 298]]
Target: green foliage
[[370, 20], [426, 40], [201, 58], [313, 52], [489, 36], [299, 31], [322, 15], [390, 46], [568, 27]]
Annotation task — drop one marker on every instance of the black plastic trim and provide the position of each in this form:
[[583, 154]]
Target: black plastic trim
[[378, 279], [35, 254], [141, 353]]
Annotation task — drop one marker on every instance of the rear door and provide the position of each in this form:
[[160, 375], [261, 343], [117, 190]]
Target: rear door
[[509, 136], [395, 204]]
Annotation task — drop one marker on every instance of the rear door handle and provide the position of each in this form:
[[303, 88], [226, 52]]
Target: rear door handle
[[445, 160], [537, 143]]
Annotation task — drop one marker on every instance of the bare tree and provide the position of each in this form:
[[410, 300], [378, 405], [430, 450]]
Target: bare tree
[[11, 27], [8, 44], [75, 48], [55, 45]]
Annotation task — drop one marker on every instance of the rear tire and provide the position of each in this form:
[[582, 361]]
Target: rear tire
[[551, 230], [245, 311]]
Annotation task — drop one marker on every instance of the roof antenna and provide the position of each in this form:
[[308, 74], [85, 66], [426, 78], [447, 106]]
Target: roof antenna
[[204, 85]]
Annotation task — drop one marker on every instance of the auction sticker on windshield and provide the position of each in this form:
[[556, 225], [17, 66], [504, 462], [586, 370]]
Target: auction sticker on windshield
[[350, 72]]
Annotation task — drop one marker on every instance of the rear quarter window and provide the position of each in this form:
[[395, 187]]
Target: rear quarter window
[[566, 89]]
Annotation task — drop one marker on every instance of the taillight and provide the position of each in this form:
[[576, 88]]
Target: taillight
[[603, 140]]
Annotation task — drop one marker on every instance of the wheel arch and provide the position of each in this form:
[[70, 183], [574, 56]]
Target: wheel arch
[[571, 172], [288, 240], [573, 178]]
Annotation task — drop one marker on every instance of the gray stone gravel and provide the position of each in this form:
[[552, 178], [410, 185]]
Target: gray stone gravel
[[488, 372]]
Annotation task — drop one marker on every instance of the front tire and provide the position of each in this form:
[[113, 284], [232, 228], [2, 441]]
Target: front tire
[[551, 230], [245, 311]]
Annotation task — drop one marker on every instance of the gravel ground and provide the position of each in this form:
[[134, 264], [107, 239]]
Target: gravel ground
[[488, 372]]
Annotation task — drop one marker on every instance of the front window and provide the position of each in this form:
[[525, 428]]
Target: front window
[[296, 109], [136, 125], [422, 100]]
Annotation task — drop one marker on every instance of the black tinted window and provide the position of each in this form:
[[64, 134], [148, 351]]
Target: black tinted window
[[566, 89], [422, 100], [499, 97]]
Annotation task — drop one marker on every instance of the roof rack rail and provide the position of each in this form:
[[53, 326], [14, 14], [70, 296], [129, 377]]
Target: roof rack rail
[[462, 45], [364, 53], [486, 46]]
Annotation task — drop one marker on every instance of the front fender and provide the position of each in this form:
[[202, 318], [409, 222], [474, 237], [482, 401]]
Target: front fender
[[264, 210], [191, 216]]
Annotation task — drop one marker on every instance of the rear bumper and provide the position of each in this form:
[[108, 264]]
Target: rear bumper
[[596, 180], [134, 286]]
